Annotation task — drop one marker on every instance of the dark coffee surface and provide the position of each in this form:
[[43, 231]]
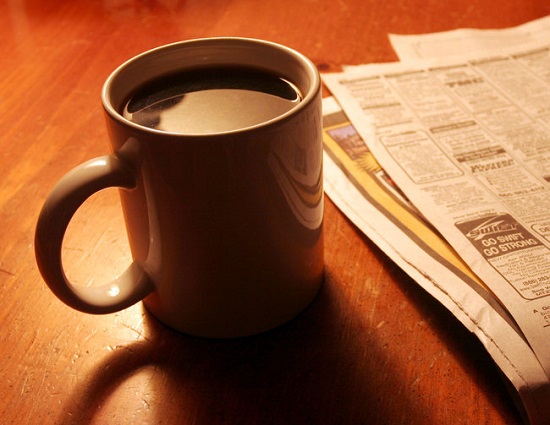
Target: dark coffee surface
[[211, 100]]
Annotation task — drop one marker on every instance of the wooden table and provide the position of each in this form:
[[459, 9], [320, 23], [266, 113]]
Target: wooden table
[[373, 348]]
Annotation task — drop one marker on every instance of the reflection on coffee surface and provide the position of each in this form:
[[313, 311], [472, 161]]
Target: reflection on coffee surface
[[211, 100]]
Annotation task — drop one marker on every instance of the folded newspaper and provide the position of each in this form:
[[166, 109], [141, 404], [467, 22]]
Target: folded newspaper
[[444, 162]]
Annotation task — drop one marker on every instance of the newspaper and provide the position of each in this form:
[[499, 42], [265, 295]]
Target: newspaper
[[468, 41], [468, 142]]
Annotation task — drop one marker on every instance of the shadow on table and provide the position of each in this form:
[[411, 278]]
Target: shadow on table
[[314, 370]]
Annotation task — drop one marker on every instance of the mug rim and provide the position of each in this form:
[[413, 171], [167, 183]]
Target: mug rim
[[113, 112]]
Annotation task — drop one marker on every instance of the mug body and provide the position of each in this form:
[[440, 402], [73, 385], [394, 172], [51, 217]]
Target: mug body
[[228, 225]]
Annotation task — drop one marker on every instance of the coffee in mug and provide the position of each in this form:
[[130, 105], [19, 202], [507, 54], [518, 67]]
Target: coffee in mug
[[205, 100]]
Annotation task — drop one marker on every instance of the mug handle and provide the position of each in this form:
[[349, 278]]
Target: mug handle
[[60, 205]]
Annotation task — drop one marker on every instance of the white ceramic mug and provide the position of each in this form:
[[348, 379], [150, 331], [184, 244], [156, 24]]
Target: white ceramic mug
[[225, 228]]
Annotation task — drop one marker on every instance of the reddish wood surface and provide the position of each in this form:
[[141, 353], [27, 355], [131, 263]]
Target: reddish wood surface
[[372, 349]]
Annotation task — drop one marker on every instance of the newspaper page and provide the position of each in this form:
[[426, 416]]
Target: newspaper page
[[367, 195], [468, 41], [467, 141]]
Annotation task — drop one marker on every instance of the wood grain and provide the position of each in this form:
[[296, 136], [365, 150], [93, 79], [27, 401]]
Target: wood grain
[[372, 349]]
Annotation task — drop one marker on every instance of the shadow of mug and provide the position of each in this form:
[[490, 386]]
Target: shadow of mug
[[311, 370]]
